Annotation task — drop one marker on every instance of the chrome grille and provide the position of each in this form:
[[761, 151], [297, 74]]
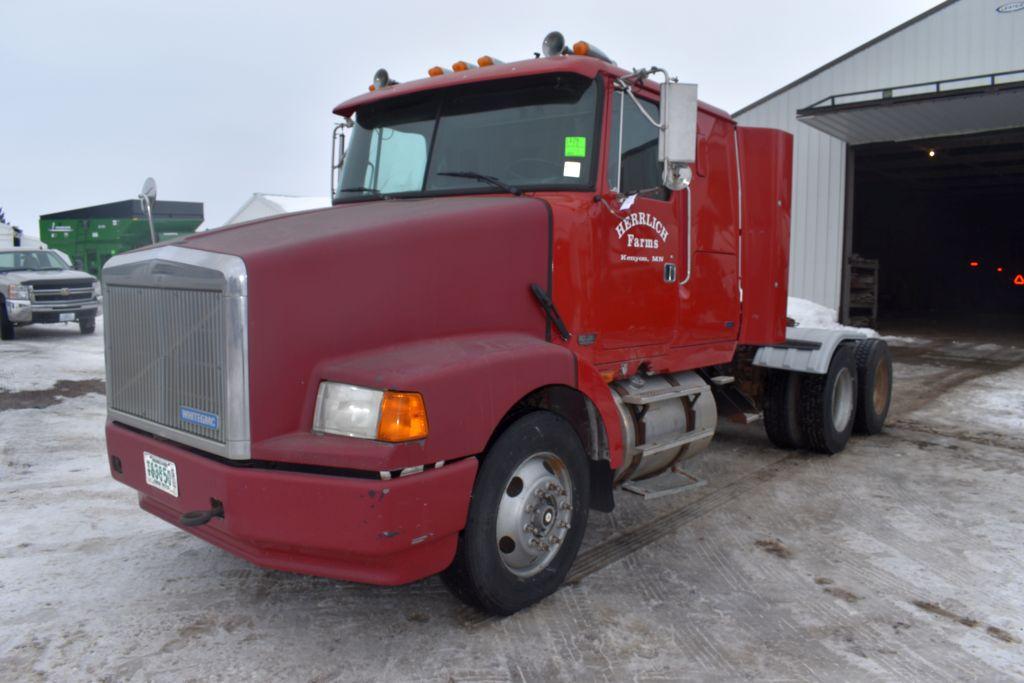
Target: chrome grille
[[169, 355], [75, 291], [177, 349]]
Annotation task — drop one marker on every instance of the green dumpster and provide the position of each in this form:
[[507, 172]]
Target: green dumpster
[[93, 234]]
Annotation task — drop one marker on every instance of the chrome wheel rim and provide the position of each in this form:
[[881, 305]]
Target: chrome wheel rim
[[534, 514], [842, 399]]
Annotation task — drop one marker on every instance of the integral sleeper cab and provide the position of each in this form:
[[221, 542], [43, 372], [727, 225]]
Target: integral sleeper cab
[[540, 282]]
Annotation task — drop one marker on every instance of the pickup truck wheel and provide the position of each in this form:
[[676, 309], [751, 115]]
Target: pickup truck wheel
[[6, 326], [829, 403], [874, 381], [782, 409], [526, 518], [87, 325]]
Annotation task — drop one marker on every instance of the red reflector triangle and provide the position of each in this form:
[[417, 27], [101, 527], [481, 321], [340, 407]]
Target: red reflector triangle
[[1019, 280]]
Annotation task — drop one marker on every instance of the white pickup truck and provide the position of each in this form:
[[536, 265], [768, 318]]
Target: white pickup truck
[[38, 286]]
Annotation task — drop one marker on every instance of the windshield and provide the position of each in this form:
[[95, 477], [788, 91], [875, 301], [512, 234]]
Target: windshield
[[528, 134], [30, 260]]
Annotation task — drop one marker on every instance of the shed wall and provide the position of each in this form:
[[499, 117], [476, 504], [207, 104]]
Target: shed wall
[[965, 38]]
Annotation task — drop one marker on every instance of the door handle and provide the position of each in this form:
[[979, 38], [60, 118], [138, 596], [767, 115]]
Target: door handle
[[670, 272]]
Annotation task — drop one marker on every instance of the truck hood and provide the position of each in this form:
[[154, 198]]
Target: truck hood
[[271, 236], [20, 276], [357, 279]]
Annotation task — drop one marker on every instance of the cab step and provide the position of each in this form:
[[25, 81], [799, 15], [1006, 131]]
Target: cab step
[[667, 483], [648, 397]]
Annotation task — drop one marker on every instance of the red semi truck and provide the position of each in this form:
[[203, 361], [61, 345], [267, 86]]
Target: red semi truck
[[540, 282]]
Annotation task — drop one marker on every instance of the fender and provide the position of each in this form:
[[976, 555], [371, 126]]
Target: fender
[[806, 349], [593, 386], [468, 382]]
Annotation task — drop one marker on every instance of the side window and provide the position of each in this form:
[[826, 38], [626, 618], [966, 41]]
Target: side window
[[640, 169], [397, 161]]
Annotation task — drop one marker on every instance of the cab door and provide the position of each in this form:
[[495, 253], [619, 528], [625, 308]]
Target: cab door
[[637, 246]]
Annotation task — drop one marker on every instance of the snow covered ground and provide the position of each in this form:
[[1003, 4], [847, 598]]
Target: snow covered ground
[[899, 559], [41, 355]]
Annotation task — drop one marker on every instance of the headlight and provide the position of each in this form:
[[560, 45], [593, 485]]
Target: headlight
[[96, 290], [17, 292], [349, 410]]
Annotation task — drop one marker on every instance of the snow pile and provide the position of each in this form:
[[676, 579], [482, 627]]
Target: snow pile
[[289, 203], [810, 314], [41, 355]]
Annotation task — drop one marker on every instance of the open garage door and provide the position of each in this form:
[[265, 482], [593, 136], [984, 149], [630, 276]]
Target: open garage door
[[935, 195], [944, 218]]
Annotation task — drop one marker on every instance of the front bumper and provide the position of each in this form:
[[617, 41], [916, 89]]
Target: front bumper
[[351, 528], [25, 312]]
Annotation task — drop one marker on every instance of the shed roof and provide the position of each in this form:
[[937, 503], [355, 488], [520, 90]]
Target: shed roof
[[844, 57]]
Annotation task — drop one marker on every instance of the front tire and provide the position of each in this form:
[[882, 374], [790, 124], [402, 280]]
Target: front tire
[[87, 325], [526, 518], [829, 403]]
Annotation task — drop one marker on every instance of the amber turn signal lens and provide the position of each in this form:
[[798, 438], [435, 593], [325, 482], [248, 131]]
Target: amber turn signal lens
[[580, 48], [403, 417], [372, 87], [435, 71]]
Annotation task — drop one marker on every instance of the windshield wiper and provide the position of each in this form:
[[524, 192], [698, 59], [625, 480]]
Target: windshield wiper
[[370, 190], [489, 179]]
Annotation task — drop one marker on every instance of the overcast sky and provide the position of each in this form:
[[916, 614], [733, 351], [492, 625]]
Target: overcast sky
[[218, 100]]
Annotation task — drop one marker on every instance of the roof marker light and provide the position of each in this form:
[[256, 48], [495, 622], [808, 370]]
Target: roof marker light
[[553, 44], [462, 65], [585, 49], [488, 60], [437, 71], [974, 264]]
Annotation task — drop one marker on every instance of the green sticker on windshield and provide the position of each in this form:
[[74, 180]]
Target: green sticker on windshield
[[575, 146]]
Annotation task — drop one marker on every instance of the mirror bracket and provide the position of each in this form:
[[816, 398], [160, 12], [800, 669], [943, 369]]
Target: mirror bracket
[[338, 151]]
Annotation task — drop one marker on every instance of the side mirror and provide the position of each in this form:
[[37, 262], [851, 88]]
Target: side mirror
[[677, 142], [149, 190], [148, 197]]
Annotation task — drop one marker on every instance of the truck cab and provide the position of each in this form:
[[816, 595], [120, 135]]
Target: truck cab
[[537, 284]]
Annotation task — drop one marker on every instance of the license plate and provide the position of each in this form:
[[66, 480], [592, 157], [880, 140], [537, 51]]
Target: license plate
[[161, 474], [67, 317]]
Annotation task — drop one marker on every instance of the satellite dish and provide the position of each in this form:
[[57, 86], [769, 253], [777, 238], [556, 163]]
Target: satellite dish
[[149, 190]]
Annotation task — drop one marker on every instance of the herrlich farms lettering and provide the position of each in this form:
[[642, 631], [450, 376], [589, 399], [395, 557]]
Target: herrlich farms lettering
[[641, 218]]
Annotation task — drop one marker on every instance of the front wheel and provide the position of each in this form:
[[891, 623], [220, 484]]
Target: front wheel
[[87, 325], [526, 519]]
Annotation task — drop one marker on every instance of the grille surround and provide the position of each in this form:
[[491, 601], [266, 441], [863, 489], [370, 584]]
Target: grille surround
[[176, 342]]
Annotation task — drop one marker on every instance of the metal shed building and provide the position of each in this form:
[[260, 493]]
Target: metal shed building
[[909, 151]]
